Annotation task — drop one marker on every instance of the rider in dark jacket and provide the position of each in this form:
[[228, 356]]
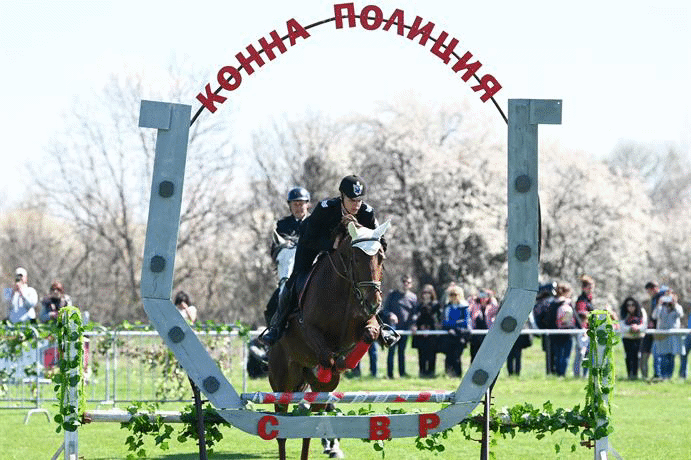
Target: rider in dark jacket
[[298, 202], [288, 228], [317, 236]]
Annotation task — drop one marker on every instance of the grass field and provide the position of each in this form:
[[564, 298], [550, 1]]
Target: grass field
[[651, 420]]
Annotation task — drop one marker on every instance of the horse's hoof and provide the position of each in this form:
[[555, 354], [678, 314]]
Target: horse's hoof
[[336, 454]]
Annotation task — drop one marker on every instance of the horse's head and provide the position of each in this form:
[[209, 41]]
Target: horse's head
[[363, 249], [283, 253]]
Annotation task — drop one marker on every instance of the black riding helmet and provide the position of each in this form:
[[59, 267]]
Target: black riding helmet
[[353, 187], [298, 194]]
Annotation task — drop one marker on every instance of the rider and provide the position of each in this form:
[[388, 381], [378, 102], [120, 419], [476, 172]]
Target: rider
[[299, 204], [318, 236], [289, 227]]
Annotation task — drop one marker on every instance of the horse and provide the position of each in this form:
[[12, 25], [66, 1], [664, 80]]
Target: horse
[[283, 253], [336, 316]]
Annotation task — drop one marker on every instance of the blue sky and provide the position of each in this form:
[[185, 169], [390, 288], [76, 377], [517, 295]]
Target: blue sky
[[622, 68]]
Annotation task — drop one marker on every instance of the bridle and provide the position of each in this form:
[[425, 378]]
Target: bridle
[[358, 286]]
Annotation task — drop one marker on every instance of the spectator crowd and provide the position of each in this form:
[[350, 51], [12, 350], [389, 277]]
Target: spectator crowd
[[558, 311]]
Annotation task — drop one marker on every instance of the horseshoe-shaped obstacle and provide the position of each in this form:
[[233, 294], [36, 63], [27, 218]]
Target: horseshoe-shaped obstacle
[[172, 122]]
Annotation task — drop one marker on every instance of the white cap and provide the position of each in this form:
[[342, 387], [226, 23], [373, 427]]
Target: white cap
[[667, 299], [20, 271]]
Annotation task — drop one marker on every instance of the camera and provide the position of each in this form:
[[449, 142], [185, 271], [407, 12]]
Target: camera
[[18, 278]]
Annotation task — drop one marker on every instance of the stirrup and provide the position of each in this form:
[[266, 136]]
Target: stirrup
[[388, 336]]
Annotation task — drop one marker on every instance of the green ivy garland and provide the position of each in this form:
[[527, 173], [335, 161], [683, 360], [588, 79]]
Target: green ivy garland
[[144, 422]]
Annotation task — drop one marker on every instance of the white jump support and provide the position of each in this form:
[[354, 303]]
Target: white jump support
[[172, 123]]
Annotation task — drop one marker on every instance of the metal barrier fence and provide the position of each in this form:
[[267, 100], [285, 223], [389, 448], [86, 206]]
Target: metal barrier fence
[[120, 367], [126, 366]]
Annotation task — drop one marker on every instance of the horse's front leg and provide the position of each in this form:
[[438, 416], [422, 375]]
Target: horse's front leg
[[281, 448], [317, 343], [281, 441]]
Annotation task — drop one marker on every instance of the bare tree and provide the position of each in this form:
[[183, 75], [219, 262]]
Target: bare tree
[[100, 181]]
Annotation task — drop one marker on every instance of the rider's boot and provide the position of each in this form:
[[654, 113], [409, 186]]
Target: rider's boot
[[275, 330]]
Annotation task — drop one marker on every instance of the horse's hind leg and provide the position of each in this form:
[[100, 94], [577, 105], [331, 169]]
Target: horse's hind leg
[[331, 445], [326, 445], [305, 449]]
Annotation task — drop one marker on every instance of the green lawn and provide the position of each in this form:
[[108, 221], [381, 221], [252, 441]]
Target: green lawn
[[651, 420]]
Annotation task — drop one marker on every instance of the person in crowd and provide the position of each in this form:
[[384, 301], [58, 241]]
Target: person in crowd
[[317, 235], [483, 310], [565, 319], [398, 312], [23, 299], [427, 318], [632, 325], [185, 307], [668, 315], [52, 303], [456, 320], [655, 291], [546, 318], [584, 305]]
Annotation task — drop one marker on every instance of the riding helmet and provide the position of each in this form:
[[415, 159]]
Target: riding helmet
[[353, 187], [298, 194]]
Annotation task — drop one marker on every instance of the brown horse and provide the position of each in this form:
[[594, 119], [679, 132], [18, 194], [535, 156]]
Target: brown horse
[[336, 311]]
